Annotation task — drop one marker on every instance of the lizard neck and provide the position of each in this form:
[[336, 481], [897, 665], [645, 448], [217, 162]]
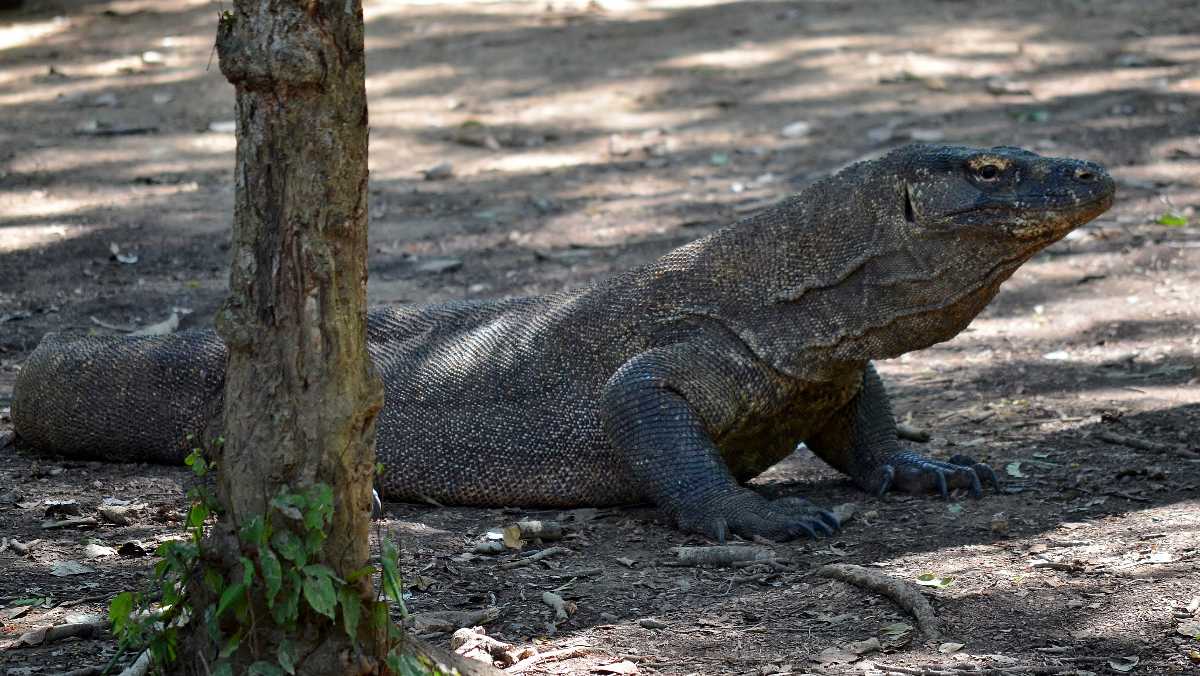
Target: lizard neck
[[828, 278]]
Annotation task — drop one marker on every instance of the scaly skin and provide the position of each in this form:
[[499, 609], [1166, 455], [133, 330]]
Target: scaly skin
[[672, 383]]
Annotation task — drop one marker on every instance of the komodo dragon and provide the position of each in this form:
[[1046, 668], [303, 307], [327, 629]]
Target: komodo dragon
[[671, 383]]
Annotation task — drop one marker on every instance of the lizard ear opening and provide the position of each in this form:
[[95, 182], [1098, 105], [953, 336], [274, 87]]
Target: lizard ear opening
[[908, 207]]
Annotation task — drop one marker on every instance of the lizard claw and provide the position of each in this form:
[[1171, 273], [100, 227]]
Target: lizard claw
[[981, 470], [885, 481], [830, 520], [912, 473], [748, 514]]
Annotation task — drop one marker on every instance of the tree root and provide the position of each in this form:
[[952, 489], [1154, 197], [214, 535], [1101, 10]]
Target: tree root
[[903, 594]]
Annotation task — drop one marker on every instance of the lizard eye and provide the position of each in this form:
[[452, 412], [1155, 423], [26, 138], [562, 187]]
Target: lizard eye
[[988, 172]]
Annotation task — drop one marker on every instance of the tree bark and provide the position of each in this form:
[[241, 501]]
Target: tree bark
[[301, 395]]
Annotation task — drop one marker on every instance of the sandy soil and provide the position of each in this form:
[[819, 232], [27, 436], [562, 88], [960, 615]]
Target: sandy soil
[[583, 139]]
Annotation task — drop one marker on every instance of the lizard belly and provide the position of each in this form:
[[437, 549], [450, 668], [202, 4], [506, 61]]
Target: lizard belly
[[766, 437]]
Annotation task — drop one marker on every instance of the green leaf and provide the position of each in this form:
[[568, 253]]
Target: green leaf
[[272, 573], [287, 609], [287, 655], [197, 514], [232, 594], [223, 668], [213, 580], [120, 614], [1173, 220], [393, 586], [289, 547], [318, 591], [247, 572], [313, 540], [254, 531], [162, 646], [318, 508], [359, 573], [933, 580], [407, 665], [196, 461], [264, 668], [351, 604], [232, 644], [379, 616], [322, 569]]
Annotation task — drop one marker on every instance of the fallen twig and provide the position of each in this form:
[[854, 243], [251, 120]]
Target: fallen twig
[[567, 574], [473, 643], [562, 609], [536, 556], [910, 433], [86, 671], [1065, 566], [44, 635], [71, 522], [140, 666], [561, 654], [1027, 670], [538, 529], [903, 594], [722, 555], [1143, 445], [449, 621]]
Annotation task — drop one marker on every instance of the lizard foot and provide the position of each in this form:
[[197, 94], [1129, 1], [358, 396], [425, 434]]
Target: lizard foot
[[748, 514], [912, 473]]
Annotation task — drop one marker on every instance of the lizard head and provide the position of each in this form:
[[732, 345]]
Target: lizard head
[[1013, 197]]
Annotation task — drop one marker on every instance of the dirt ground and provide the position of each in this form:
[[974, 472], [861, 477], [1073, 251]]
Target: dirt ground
[[576, 140]]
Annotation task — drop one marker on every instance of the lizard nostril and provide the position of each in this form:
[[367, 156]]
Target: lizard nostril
[[1085, 175]]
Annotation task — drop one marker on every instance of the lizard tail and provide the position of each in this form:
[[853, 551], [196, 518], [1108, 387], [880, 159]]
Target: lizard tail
[[134, 399]]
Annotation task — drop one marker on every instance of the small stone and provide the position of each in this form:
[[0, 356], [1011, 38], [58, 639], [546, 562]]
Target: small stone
[[999, 523], [62, 508], [881, 134], [651, 623], [153, 58], [1057, 355], [439, 172], [796, 129], [162, 98], [999, 86], [926, 135], [97, 551], [67, 568], [439, 265], [131, 549]]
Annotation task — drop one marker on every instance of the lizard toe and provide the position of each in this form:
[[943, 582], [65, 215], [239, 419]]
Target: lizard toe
[[748, 515], [917, 475], [983, 471]]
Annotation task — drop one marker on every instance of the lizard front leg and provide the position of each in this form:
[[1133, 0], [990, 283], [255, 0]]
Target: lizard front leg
[[661, 410], [860, 440]]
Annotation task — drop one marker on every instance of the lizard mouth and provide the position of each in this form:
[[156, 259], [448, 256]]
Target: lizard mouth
[[1054, 222], [909, 214]]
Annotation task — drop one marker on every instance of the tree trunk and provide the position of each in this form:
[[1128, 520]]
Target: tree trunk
[[301, 396]]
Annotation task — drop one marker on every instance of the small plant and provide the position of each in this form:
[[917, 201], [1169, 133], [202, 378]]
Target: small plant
[[276, 571]]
